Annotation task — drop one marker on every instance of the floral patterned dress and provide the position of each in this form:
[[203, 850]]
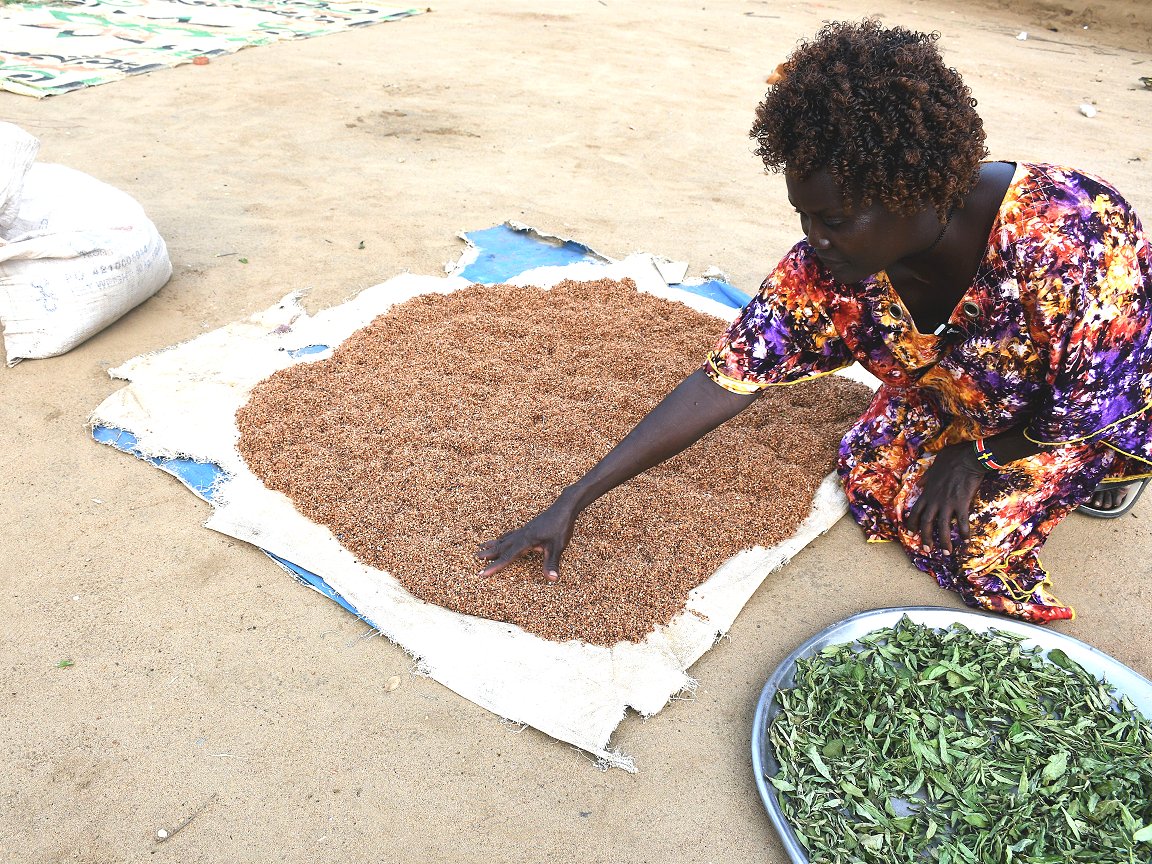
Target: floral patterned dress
[[1053, 336]]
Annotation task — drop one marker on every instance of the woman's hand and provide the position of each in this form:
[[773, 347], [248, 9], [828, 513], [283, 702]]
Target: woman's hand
[[693, 409], [947, 493], [547, 533]]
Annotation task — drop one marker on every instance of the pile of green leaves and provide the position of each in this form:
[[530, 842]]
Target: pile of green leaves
[[956, 747]]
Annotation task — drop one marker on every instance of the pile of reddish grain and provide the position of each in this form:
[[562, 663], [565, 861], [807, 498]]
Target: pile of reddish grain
[[453, 419]]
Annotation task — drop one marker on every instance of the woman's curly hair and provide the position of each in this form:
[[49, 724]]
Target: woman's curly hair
[[878, 109]]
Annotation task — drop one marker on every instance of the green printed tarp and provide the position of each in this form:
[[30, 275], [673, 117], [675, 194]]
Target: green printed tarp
[[51, 48]]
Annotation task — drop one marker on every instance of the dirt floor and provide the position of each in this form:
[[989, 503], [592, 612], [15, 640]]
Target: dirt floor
[[206, 683]]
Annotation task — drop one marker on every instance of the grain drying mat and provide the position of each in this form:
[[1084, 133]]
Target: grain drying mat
[[52, 48], [573, 691]]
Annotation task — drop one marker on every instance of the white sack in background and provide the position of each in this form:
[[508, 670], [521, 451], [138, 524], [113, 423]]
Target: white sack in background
[[18, 151], [77, 255], [182, 401]]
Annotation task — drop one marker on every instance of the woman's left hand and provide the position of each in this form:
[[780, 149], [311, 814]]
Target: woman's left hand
[[948, 489]]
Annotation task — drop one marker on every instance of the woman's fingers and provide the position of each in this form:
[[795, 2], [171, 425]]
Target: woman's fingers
[[948, 488], [489, 549], [497, 565], [503, 551], [916, 521], [944, 529], [546, 533], [921, 519], [962, 525], [552, 563], [934, 524]]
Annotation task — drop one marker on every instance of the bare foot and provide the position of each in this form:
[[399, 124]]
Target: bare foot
[[1108, 497], [1114, 499]]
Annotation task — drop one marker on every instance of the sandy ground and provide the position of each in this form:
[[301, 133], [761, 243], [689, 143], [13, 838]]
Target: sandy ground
[[205, 681]]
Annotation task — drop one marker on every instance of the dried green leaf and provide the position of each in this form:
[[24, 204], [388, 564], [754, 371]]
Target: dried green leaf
[[1056, 766]]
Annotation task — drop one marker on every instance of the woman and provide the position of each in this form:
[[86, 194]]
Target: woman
[[1005, 307]]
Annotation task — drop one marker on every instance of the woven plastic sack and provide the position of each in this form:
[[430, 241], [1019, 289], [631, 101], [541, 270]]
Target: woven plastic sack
[[77, 255], [17, 153]]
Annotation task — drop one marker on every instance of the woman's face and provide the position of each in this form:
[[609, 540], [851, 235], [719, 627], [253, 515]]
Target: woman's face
[[856, 244]]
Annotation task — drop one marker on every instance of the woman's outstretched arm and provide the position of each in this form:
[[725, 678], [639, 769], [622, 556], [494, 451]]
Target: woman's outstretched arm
[[693, 409]]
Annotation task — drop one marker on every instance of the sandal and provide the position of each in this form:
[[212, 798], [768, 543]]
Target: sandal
[[1129, 501]]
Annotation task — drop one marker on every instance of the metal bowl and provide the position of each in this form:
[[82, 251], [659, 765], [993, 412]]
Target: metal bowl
[[1122, 679]]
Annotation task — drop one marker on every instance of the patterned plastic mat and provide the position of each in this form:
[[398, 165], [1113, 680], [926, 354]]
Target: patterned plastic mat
[[52, 48]]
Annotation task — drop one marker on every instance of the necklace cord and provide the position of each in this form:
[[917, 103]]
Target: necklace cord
[[943, 230]]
